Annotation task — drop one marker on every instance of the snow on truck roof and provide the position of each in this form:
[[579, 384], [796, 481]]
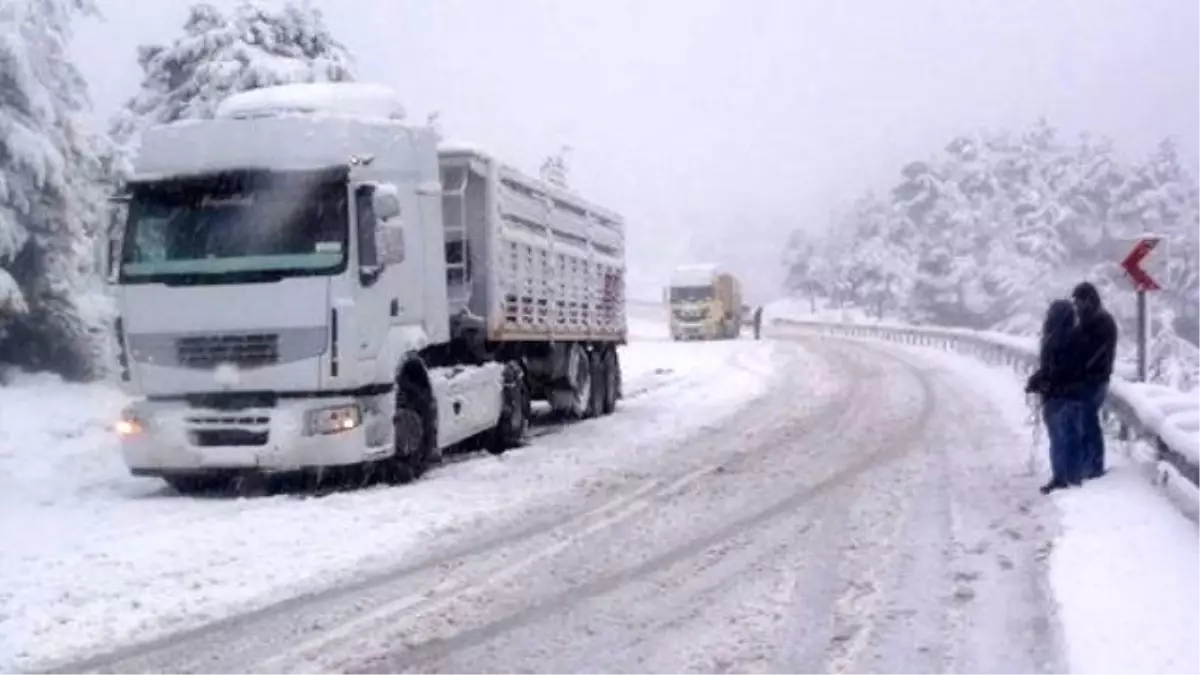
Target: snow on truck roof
[[351, 99], [459, 147], [700, 274]]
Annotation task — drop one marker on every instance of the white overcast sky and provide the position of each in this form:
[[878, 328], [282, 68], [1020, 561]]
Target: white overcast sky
[[733, 121]]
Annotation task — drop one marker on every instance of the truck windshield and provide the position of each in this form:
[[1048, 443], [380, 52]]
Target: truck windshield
[[236, 226], [691, 293]]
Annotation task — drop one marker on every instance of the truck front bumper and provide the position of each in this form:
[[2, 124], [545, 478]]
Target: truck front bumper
[[692, 331], [172, 437]]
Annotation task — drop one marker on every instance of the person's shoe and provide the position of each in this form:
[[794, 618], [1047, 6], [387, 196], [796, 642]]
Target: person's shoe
[[1096, 474], [1052, 486]]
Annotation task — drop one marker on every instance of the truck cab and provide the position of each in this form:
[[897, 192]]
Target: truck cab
[[705, 303], [278, 276]]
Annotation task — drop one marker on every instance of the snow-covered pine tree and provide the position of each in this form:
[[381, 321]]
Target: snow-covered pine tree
[[220, 55], [806, 273], [1002, 223], [49, 204]]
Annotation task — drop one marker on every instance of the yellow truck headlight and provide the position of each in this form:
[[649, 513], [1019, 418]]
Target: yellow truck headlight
[[129, 424], [332, 420]]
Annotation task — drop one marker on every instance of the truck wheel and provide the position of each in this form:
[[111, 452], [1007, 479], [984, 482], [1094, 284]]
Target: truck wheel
[[612, 380], [599, 385], [580, 383], [514, 413], [411, 426]]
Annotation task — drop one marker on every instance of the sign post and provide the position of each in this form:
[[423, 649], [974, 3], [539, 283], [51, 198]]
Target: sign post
[[1142, 284]]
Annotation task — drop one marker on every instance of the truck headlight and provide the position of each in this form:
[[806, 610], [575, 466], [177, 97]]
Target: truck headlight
[[332, 420], [129, 424]]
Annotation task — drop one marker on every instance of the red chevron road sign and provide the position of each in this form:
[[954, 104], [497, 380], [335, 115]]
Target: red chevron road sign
[[1132, 264]]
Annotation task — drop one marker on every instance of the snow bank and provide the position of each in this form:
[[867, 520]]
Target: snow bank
[[1124, 573], [801, 310], [48, 441], [94, 558]]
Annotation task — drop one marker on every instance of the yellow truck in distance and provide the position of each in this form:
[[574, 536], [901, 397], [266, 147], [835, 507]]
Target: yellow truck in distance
[[705, 303]]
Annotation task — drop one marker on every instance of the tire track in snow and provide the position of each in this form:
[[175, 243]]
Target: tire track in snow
[[760, 418], [434, 649]]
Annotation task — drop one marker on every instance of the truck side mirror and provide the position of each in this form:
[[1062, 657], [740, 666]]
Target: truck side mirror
[[386, 201], [380, 230], [389, 241]]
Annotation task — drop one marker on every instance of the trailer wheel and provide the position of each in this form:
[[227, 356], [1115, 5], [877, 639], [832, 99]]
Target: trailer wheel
[[612, 380], [411, 425], [514, 414], [575, 399], [597, 392]]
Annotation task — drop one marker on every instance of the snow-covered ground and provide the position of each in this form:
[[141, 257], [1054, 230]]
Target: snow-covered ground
[[93, 557], [1125, 574], [1124, 564], [848, 521]]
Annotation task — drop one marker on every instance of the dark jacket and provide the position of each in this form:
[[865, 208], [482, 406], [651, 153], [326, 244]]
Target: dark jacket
[[1061, 364], [1099, 335]]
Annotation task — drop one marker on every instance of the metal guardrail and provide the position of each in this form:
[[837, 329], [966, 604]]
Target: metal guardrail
[[1118, 411]]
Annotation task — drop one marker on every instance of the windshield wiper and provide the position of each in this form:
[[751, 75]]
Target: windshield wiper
[[210, 279], [239, 277]]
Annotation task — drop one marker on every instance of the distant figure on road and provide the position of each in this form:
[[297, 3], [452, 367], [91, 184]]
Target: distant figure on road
[[1099, 344], [758, 322], [1059, 380]]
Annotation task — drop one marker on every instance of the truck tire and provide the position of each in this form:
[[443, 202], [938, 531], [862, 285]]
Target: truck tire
[[411, 427], [595, 406], [514, 413], [612, 380], [573, 399]]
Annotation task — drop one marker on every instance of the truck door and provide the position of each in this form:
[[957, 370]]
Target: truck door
[[372, 311]]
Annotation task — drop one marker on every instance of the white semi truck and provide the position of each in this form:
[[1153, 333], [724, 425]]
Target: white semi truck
[[306, 281]]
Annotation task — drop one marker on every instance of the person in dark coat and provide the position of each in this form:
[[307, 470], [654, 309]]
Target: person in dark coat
[[1059, 380], [758, 322], [1099, 345]]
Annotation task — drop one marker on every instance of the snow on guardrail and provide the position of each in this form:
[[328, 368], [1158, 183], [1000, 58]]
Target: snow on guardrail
[[1166, 419]]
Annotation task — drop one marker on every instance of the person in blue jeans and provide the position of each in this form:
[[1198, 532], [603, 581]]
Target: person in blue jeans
[[1059, 380], [1098, 333]]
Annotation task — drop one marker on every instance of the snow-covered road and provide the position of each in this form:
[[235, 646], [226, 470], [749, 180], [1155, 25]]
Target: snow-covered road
[[93, 558], [848, 519]]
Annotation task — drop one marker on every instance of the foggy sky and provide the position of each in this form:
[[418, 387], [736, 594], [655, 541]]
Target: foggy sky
[[717, 126]]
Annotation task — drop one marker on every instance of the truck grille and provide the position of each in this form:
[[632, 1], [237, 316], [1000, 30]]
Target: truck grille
[[691, 314], [250, 350], [226, 437]]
